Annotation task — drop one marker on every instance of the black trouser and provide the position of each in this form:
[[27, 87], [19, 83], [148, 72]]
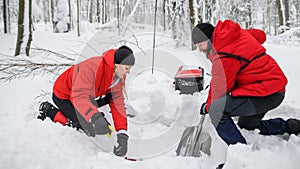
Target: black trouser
[[250, 110], [67, 109]]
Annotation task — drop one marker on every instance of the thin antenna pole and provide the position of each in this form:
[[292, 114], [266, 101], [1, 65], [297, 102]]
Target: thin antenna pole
[[154, 35]]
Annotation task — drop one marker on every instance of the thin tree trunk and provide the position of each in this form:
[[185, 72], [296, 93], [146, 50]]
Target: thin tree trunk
[[52, 9], [297, 5], [118, 15], [8, 16], [103, 12], [131, 15], [52, 15], [286, 12], [164, 14], [78, 17], [91, 13], [98, 11], [30, 28], [107, 11], [250, 13], [5, 16], [45, 10], [20, 27], [192, 20], [280, 15], [70, 15], [173, 26]]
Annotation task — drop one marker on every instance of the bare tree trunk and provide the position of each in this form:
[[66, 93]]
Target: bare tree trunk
[[78, 17], [249, 13], [164, 14], [297, 5], [8, 16], [286, 12], [107, 11], [103, 12], [91, 13], [52, 9], [5, 16], [98, 11], [280, 15], [192, 20], [174, 16], [118, 15], [200, 12], [52, 15], [70, 26], [208, 10], [20, 27], [45, 10], [30, 28]]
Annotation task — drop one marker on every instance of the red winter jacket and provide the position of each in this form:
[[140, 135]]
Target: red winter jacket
[[89, 80], [262, 77]]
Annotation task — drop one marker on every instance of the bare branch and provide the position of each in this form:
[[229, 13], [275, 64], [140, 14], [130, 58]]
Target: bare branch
[[53, 52], [16, 67], [42, 96]]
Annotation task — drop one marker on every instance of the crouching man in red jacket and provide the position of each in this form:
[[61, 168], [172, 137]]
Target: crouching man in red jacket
[[83, 88], [246, 81]]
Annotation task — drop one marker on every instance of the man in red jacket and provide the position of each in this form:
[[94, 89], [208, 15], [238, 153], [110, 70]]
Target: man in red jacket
[[83, 88], [246, 81]]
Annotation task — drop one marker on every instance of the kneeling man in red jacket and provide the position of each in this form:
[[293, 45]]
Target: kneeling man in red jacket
[[246, 81], [83, 88]]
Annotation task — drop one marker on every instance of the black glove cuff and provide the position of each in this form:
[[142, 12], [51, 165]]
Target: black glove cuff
[[123, 136]]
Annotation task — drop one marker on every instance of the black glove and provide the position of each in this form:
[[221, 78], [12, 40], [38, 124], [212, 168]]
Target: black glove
[[101, 125], [121, 149], [88, 128], [203, 109], [104, 101]]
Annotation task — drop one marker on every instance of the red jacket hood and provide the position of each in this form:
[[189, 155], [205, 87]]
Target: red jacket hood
[[258, 34], [108, 57], [225, 32]]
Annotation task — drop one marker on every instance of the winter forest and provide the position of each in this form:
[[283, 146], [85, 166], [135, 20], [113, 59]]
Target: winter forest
[[174, 16], [40, 39]]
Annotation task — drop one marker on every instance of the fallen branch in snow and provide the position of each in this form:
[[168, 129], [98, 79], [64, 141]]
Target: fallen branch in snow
[[16, 67], [53, 52], [43, 95]]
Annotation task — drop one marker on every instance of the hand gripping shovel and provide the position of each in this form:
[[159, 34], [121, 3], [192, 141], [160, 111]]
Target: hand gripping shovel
[[194, 140]]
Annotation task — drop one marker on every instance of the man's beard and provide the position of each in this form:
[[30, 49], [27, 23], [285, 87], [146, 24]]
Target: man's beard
[[208, 49]]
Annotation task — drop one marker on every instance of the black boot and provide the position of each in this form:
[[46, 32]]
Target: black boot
[[220, 166], [47, 110], [293, 126]]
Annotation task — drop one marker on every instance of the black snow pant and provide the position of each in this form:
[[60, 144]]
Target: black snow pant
[[68, 110], [250, 111]]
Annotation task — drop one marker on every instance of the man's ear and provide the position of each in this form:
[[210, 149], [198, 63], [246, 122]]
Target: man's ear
[[116, 66]]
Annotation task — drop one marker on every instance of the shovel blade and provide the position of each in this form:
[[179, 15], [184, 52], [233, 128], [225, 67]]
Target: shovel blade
[[192, 143], [203, 144], [186, 141]]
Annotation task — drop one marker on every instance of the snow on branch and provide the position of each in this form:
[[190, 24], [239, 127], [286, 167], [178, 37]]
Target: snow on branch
[[53, 52], [17, 67]]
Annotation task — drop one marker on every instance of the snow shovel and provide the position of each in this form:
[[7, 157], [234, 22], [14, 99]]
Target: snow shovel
[[194, 140]]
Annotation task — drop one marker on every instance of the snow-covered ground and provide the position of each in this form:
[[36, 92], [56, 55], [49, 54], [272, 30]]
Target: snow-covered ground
[[161, 114]]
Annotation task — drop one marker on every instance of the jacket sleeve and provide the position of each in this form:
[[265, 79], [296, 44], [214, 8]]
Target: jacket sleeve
[[83, 84], [117, 107], [224, 72]]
